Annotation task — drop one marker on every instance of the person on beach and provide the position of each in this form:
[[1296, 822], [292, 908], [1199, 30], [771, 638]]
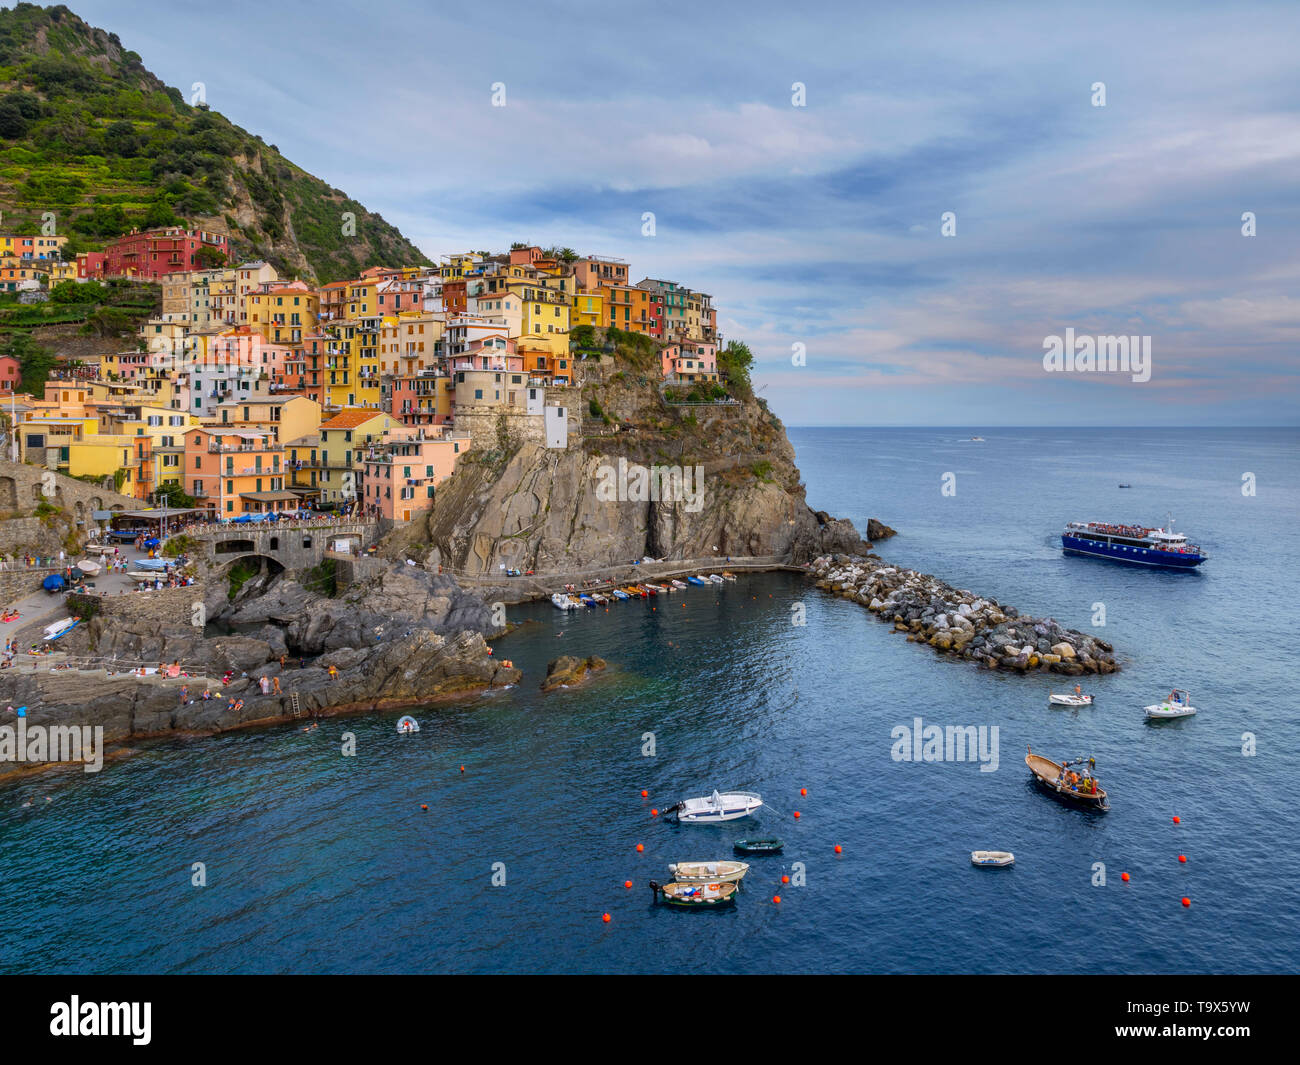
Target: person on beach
[[333, 672], [275, 685]]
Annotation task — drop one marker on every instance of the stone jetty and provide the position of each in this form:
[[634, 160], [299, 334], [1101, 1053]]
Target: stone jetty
[[960, 623]]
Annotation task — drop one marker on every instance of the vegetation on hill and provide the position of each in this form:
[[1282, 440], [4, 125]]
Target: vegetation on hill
[[92, 136]]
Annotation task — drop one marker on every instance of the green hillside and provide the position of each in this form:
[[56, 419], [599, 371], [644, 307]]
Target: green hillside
[[91, 135]]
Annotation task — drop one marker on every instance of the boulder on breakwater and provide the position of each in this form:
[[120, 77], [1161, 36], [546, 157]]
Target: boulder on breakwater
[[960, 623]]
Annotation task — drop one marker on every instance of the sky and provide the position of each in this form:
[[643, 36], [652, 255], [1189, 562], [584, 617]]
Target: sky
[[817, 223]]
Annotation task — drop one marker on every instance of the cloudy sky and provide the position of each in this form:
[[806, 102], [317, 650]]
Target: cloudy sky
[[820, 225]]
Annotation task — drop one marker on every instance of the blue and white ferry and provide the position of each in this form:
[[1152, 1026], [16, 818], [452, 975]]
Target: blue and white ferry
[[1134, 544]]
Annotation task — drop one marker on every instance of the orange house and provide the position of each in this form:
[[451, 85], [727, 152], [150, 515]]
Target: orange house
[[231, 472]]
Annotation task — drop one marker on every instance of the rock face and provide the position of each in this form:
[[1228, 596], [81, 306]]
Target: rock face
[[403, 639], [957, 622], [568, 672], [541, 511]]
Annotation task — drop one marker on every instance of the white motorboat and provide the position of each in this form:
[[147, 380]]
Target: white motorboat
[[1069, 699], [721, 872], [1179, 704], [992, 858], [679, 584], [724, 806], [715, 578], [564, 602]]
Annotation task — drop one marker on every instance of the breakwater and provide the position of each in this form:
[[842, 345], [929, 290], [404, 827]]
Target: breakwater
[[959, 623]]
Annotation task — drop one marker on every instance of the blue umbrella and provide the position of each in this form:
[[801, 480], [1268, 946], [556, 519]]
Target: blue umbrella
[[151, 542]]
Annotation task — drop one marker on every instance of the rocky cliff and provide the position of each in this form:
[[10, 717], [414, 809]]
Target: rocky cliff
[[561, 512]]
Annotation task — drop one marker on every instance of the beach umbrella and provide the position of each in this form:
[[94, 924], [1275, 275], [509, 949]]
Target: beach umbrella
[[153, 541], [52, 583]]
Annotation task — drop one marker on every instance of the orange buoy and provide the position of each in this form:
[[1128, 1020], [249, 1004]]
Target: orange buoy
[[605, 918], [1176, 820], [785, 879], [1186, 901], [839, 849], [803, 791], [776, 899], [640, 847], [654, 813], [644, 793], [627, 883], [424, 806], [462, 769], [1124, 877], [1182, 857], [797, 814]]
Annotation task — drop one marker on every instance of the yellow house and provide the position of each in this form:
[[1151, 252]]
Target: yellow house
[[283, 314], [344, 440], [588, 309], [285, 418]]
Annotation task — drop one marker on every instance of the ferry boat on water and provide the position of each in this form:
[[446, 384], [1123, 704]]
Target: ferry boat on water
[[1134, 544]]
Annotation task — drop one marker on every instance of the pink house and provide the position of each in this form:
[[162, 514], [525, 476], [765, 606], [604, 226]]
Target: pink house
[[401, 475], [694, 360]]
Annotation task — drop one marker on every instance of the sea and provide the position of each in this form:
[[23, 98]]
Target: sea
[[501, 835]]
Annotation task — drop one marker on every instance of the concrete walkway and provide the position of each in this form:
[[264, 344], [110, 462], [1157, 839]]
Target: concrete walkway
[[41, 608]]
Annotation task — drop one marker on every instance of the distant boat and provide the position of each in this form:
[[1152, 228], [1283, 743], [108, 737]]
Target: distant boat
[[563, 601], [618, 593], [708, 872], [758, 846], [1082, 788], [976, 440], [695, 896], [1126, 486], [678, 584], [696, 580], [726, 806], [728, 576], [996, 859], [715, 578], [1179, 704], [1069, 699], [407, 725], [1134, 544]]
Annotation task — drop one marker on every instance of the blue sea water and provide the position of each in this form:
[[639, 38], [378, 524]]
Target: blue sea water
[[317, 862]]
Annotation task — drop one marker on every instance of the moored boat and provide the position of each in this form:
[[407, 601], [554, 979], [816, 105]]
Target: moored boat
[[563, 601], [719, 872], [697, 580], [1136, 545], [618, 593], [1078, 787], [678, 584], [724, 806], [1179, 704], [695, 896], [758, 846], [728, 576], [714, 578], [996, 859]]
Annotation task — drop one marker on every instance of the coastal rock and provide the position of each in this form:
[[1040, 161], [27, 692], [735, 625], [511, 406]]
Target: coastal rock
[[953, 621], [567, 671]]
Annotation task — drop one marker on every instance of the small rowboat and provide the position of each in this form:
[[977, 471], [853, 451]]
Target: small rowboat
[[728, 576], [699, 578], [724, 872], [618, 593], [89, 567], [1179, 704], [726, 806], [1069, 699], [678, 584], [995, 859], [715, 578], [598, 599], [695, 896], [758, 846], [1085, 790]]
